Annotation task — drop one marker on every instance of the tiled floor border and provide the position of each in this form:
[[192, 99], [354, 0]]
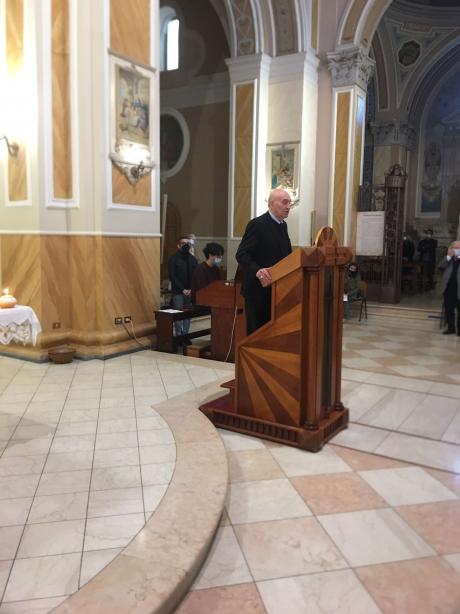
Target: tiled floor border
[[157, 568]]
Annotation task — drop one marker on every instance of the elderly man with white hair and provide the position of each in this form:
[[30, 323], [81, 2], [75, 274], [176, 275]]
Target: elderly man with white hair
[[450, 285], [265, 242]]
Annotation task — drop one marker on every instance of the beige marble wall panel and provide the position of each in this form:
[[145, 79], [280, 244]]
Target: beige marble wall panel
[[341, 163], [17, 175], [130, 28], [357, 165], [85, 282], [62, 117], [123, 193], [314, 24], [244, 101], [17, 166], [130, 278], [56, 296], [21, 268]]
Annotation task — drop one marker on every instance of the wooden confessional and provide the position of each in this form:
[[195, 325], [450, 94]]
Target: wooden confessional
[[288, 372]]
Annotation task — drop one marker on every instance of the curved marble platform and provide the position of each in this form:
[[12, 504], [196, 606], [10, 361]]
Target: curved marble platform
[[156, 569]]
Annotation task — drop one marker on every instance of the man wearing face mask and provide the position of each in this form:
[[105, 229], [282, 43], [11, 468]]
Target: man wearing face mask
[[450, 283], [181, 266], [427, 254], [208, 271]]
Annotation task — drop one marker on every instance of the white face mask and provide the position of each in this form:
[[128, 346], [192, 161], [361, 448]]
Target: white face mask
[[457, 252]]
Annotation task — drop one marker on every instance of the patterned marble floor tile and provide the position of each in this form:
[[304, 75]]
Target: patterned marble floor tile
[[333, 493], [328, 593], [374, 536], [422, 587], [238, 599], [264, 500], [437, 523], [225, 564], [287, 547], [406, 486]]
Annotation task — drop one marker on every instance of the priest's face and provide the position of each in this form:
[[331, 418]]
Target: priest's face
[[280, 204]]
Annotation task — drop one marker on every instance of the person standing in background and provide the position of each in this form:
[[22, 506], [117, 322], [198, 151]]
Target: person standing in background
[[181, 266], [427, 254], [450, 267]]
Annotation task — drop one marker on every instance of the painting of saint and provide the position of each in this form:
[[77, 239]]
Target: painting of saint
[[133, 105], [282, 165]]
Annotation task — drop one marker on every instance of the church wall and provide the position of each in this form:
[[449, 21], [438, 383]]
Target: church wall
[[80, 246], [200, 188]]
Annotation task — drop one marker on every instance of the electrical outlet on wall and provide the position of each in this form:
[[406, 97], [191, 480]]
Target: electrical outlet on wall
[[118, 320], [127, 319]]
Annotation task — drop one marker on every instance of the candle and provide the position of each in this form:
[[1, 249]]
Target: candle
[[7, 300]]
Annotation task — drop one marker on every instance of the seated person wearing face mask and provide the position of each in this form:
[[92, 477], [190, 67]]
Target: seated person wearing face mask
[[352, 287], [208, 271], [450, 267]]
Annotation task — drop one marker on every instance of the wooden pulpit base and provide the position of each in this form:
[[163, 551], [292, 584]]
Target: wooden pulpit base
[[288, 377], [222, 414]]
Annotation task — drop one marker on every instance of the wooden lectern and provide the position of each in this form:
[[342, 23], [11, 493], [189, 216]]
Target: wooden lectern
[[228, 324], [288, 372]]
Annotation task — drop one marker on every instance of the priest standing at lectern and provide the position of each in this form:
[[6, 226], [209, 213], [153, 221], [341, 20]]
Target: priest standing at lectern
[[265, 242]]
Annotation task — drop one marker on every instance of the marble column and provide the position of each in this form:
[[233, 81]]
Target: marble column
[[351, 68], [249, 78]]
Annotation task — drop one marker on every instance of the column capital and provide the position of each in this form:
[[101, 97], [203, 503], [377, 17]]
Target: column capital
[[394, 132], [246, 67], [350, 66]]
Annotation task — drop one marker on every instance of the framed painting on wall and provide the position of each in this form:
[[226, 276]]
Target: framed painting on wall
[[131, 126], [283, 167]]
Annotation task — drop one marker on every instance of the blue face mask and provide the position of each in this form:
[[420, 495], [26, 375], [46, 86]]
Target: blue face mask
[[217, 261]]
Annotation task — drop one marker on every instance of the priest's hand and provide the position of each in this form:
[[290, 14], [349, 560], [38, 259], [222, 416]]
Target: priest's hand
[[263, 275]]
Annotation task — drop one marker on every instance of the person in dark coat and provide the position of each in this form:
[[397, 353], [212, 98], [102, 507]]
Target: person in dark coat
[[427, 255], [265, 242], [180, 267], [208, 271], [450, 287]]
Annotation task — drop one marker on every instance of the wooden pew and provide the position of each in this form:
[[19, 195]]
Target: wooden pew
[[166, 341]]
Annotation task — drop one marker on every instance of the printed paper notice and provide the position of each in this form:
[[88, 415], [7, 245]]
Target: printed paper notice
[[369, 235]]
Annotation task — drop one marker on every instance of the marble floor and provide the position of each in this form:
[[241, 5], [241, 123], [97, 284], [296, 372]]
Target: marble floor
[[369, 524], [338, 532], [84, 461]]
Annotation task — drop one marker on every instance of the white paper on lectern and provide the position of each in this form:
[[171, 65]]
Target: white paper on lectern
[[370, 232]]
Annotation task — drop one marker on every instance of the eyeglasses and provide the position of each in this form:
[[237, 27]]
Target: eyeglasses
[[286, 201]]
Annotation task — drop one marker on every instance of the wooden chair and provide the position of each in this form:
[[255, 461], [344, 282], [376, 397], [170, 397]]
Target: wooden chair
[[363, 299]]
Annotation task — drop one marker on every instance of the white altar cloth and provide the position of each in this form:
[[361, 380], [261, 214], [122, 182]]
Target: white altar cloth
[[19, 324]]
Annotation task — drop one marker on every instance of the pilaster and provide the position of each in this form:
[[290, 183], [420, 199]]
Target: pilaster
[[351, 68]]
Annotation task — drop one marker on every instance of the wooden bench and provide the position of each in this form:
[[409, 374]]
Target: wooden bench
[[166, 341]]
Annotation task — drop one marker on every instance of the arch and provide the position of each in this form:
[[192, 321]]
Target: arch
[[359, 22]]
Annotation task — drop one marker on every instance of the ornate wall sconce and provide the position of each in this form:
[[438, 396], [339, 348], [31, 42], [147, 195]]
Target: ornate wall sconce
[[13, 148], [133, 171]]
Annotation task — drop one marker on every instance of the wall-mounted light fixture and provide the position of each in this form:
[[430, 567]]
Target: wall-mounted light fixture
[[134, 162], [13, 148]]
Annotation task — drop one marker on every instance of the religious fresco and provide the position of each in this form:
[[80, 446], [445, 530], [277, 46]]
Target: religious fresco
[[440, 157]]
